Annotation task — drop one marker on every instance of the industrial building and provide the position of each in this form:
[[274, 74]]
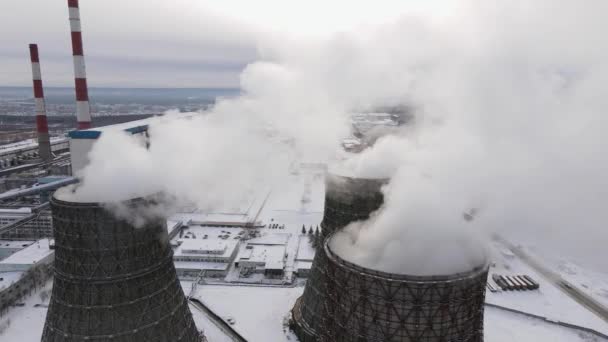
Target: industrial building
[[28, 265], [346, 200], [211, 257], [25, 223], [363, 304], [266, 256], [34, 255], [113, 281]]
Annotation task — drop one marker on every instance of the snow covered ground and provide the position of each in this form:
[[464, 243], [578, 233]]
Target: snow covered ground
[[503, 326], [594, 284], [260, 313], [548, 301], [25, 323]]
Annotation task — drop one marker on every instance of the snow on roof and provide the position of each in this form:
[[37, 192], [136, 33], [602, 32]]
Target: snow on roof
[[20, 211], [173, 225], [303, 265], [305, 250], [14, 244], [199, 265], [27, 144], [273, 257], [8, 278], [132, 127], [271, 239], [207, 246], [30, 255]]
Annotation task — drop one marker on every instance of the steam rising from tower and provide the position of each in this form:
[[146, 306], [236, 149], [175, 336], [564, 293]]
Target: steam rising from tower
[[42, 127], [83, 109]]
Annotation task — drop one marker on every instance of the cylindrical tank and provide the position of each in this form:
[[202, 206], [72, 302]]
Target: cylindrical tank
[[114, 281], [346, 200], [363, 304]]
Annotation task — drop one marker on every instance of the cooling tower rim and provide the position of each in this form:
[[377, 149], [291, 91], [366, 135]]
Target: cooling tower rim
[[128, 202], [337, 175], [406, 278]]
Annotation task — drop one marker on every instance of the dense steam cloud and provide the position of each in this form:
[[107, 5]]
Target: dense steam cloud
[[509, 102]]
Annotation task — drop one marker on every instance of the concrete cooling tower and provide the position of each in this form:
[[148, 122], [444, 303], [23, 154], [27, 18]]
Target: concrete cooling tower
[[366, 305], [346, 200], [113, 281]]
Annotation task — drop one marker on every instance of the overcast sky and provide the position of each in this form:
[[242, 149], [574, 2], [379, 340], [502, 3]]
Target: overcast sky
[[177, 43]]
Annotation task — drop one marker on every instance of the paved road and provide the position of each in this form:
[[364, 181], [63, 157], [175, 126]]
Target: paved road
[[568, 288], [217, 320]]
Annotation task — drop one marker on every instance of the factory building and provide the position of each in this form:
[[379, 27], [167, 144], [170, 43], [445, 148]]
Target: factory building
[[114, 281], [266, 256], [34, 255], [211, 258], [362, 304], [27, 223], [304, 257], [23, 269], [346, 200]]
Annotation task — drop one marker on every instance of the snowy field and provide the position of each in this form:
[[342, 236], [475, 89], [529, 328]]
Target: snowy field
[[548, 301], [594, 284], [260, 313]]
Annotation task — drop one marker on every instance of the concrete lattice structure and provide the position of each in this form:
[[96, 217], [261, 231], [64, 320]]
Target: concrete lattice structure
[[114, 281], [42, 126], [346, 200], [83, 109], [362, 304]]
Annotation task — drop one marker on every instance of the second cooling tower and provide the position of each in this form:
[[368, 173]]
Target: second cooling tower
[[367, 305], [114, 281], [346, 200]]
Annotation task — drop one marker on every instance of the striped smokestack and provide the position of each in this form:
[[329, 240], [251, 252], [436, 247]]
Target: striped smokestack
[[83, 110], [42, 127]]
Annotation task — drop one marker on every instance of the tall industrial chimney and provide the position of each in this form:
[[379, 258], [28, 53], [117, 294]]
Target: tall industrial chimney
[[346, 200], [42, 127], [114, 281], [83, 110]]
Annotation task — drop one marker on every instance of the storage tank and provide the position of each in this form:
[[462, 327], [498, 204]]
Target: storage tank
[[363, 304], [114, 281], [347, 200]]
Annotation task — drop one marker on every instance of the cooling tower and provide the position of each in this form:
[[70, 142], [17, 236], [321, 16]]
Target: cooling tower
[[113, 281], [346, 200], [364, 305]]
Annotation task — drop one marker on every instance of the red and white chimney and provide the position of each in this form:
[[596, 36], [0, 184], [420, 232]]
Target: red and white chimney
[[83, 110], [42, 127]]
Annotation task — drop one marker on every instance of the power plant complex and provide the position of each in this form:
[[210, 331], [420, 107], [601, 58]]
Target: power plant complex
[[120, 271]]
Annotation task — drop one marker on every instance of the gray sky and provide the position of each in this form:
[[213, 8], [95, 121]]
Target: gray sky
[[160, 43]]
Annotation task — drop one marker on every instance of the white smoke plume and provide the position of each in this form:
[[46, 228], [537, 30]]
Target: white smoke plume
[[510, 118]]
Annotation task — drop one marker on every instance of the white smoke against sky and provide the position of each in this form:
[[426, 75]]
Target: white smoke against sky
[[510, 120], [510, 117]]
